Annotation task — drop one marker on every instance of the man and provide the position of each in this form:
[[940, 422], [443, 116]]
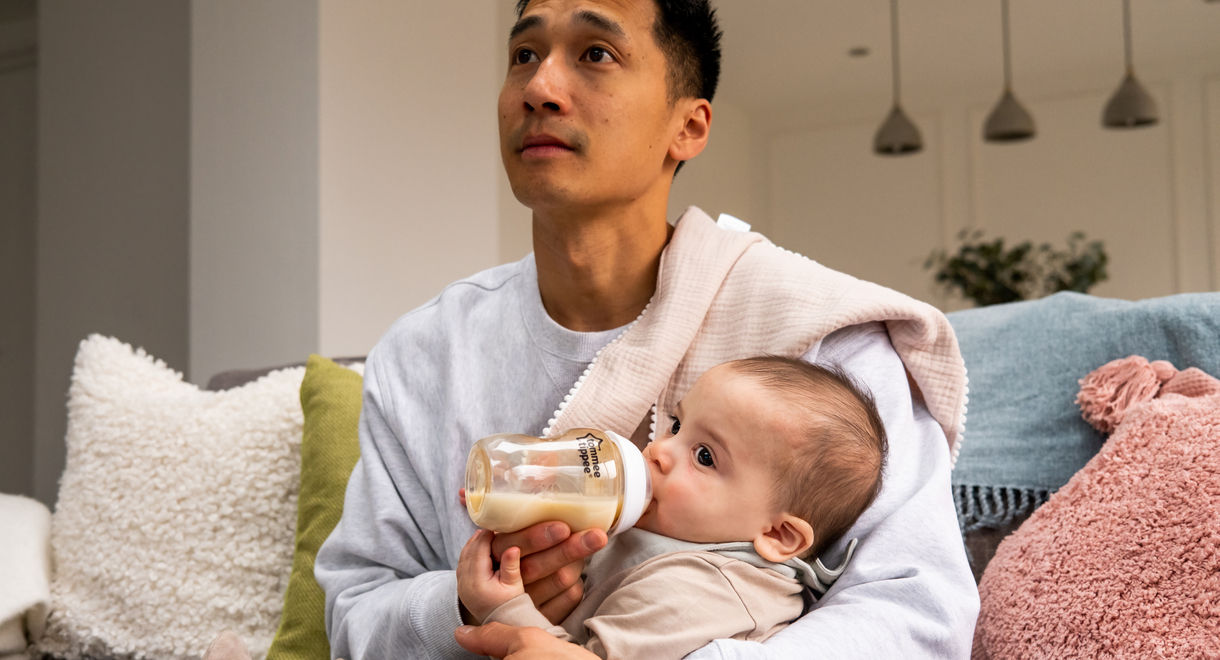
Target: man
[[603, 100]]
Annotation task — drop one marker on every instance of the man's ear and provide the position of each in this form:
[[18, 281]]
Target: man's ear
[[696, 127], [787, 537]]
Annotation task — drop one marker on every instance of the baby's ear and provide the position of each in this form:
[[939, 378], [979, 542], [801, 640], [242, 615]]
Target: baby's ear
[[787, 537]]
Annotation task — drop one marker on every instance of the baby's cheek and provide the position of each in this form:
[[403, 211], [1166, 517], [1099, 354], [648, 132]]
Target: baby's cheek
[[685, 496]]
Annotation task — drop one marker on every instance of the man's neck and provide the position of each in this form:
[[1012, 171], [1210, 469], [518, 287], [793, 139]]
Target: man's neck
[[597, 271]]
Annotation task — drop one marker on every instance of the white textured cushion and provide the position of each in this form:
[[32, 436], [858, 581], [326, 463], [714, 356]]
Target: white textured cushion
[[176, 509]]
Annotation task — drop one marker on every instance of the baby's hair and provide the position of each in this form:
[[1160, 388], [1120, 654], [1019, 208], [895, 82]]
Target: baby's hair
[[831, 477]]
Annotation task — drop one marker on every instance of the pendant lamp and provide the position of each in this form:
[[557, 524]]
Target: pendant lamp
[[1131, 105], [898, 134], [1009, 121]]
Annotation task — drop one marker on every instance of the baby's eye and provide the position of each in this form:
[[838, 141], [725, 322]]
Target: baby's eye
[[673, 428], [704, 456], [598, 54], [524, 56]]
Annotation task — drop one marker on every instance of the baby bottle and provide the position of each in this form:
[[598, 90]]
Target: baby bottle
[[585, 478]]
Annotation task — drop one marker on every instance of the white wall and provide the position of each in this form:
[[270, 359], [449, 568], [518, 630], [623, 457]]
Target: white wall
[[516, 229], [409, 159], [344, 169], [112, 176], [1211, 168], [1149, 193], [232, 184], [253, 184], [836, 203], [17, 230], [1113, 185], [728, 176]]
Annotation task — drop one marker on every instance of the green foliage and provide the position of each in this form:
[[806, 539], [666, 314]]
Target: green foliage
[[987, 273]]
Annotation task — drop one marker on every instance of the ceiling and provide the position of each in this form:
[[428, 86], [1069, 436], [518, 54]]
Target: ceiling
[[790, 57]]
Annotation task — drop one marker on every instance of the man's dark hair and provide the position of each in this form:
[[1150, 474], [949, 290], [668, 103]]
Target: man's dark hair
[[687, 32]]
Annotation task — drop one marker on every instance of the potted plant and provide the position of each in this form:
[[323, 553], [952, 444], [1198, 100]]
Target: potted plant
[[987, 272]]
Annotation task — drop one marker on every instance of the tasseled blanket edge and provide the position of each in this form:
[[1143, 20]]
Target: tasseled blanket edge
[[992, 507]]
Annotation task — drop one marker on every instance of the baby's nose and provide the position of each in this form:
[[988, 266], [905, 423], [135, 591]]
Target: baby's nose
[[656, 456]]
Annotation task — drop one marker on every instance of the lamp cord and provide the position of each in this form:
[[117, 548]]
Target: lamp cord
[[1127, 34], [894, 45], [1007, 63]]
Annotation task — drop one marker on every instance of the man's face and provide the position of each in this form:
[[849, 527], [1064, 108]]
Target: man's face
[[585, 119], [712, 467]]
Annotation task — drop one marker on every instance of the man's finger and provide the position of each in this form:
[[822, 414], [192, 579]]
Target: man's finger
[[532, 539], [575, 548], [494, 639], [558, 608], [502, 641], [550, 586]]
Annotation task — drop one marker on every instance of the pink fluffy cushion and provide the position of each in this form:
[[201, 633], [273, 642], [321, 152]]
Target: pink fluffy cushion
[[1124, 560]]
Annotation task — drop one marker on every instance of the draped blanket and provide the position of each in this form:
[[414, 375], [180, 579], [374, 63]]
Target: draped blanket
[[723, 295]]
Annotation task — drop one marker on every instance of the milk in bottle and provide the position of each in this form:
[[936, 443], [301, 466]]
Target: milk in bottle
[[585, 478]]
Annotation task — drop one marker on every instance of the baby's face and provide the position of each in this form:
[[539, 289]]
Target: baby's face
[[711, 466]]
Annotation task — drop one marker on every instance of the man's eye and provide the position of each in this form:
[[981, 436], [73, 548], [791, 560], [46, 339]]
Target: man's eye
[[673, 428], [704, 456], [524, 56], [598, 54]]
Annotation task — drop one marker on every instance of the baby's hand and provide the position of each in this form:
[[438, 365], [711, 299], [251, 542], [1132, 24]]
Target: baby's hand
[[480, 588]]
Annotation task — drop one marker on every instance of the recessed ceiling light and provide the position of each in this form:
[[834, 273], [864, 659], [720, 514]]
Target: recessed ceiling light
[[863, 51]]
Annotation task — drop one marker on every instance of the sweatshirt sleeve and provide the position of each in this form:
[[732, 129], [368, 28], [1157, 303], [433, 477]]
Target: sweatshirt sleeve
[[389, 592], [908, 592], [520, 611]]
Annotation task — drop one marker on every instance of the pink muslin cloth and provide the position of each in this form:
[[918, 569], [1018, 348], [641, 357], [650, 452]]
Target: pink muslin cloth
[[723, 295]]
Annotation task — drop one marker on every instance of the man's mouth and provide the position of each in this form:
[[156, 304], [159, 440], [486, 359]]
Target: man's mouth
[[544, 145]]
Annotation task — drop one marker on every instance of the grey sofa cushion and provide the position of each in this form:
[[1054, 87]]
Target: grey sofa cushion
[[237, 377]]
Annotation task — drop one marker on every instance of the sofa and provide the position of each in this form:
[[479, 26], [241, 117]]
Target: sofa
[[184, 512]]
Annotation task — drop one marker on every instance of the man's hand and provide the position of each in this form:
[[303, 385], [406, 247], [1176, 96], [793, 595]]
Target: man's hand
[[509, 643], [481, 588], [552, 559]]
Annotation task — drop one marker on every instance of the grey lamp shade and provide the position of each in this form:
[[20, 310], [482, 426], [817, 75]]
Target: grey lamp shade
[[897, 135], [1009, 121], [1130, 106]]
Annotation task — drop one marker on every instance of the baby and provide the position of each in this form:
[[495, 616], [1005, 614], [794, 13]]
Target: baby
[[765, 462]]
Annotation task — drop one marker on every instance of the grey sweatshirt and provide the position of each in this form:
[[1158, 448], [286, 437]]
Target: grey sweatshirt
[[484, 357]]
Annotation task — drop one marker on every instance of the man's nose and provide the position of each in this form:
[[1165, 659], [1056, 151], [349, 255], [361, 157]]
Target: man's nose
[[546, 89]]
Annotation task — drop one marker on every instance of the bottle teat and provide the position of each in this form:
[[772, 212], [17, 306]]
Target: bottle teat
[[637, 484]]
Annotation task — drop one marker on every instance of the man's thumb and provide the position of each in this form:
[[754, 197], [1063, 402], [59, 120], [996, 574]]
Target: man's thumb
[[481, 640]]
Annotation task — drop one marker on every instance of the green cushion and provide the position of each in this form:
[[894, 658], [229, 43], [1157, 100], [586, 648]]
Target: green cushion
[[330, 399]]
